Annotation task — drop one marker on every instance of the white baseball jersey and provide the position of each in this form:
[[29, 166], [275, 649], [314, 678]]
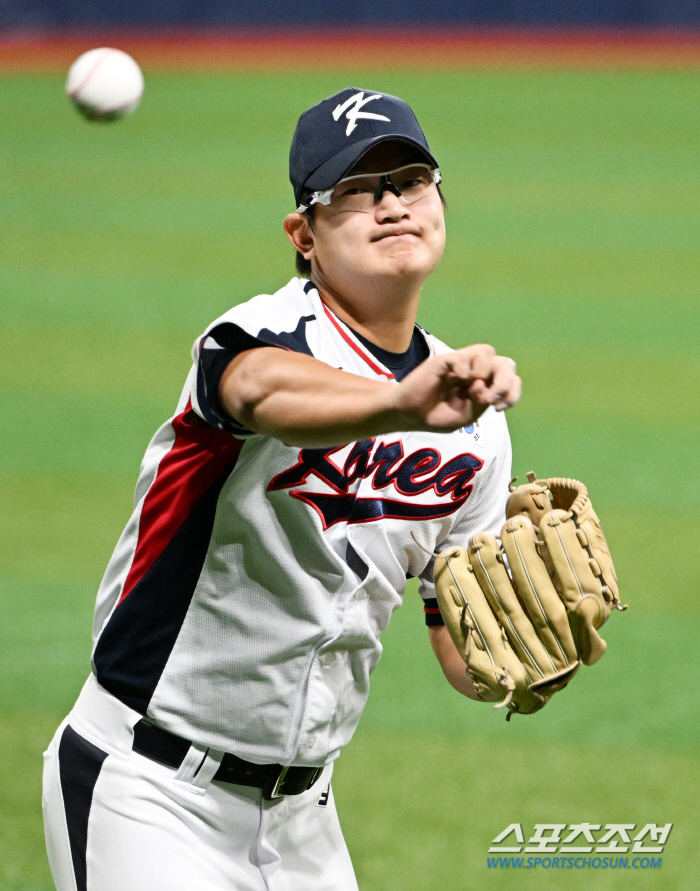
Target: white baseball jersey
[[243, 605]]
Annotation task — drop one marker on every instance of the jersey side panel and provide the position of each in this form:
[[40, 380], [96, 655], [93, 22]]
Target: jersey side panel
[[120, 562], [175, 522]]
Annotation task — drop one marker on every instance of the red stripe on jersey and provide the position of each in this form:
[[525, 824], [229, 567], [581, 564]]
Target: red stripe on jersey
[[360, 352], [430, 611], [198, 458]]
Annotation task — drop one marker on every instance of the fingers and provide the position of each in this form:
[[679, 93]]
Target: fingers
[[471, 363], [482, 360], [487, 379], [452, 390], [506, 386], [511, 397]]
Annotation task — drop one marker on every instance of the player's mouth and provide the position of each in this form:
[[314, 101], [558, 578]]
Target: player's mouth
[[396, 233]]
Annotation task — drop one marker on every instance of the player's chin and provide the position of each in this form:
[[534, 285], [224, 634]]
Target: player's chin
[[403, 258]]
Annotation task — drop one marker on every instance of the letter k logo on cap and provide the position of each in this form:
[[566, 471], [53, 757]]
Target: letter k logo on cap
[[353, 113]]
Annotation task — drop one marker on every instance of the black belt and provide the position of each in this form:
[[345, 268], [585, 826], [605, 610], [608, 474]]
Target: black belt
[[274, 780]]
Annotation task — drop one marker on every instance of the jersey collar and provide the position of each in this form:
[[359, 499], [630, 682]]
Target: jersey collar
[[349, 338]]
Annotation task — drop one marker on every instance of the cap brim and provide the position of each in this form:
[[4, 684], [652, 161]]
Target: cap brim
[[328, 174]]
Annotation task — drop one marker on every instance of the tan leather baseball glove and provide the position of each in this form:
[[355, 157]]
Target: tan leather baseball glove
[[524, 613]]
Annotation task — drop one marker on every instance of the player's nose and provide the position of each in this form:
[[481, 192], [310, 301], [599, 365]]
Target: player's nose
[[390, 208]]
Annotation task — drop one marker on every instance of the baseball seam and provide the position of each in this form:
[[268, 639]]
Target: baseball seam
[[96, 66]]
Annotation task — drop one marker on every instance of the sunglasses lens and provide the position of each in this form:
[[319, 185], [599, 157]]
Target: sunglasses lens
[[360, 193]]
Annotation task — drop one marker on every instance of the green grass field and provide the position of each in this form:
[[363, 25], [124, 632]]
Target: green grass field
[[573, 245]]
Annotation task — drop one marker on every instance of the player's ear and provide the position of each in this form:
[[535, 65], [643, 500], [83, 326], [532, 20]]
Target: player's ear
[[299, 232]]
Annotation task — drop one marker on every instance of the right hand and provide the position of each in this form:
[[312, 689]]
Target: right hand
[[453, 390]]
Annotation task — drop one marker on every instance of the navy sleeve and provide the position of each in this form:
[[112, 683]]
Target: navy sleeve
[[222, 344], [217, 350]]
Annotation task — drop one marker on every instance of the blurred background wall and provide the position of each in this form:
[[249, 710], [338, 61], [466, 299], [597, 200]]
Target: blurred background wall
[[46, 14]]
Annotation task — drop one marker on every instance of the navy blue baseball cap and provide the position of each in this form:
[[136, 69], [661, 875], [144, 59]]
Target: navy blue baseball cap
[[333, 135]]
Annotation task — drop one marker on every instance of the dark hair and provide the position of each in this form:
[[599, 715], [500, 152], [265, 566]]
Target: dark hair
[[303, 265]]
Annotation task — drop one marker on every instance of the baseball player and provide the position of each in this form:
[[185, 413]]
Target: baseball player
[[322, 446]]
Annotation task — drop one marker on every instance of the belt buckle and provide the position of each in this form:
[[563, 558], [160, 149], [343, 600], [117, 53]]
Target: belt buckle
[[275, 793], [279, 782]]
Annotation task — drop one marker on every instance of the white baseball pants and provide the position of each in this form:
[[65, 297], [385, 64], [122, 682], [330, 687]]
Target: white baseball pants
[[117, 821]]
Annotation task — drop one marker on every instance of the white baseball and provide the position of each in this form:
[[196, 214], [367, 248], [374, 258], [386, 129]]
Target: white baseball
[[104, 84]]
